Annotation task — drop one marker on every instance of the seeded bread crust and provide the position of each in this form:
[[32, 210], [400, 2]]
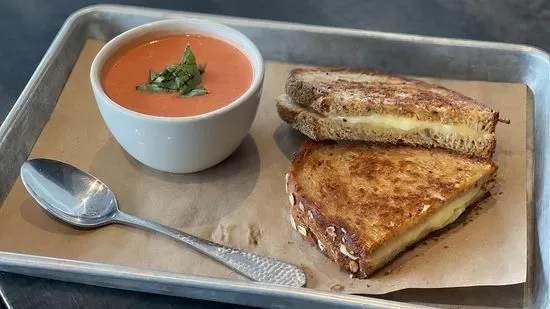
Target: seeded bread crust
[[349, 92], [319, 128], [334, 222]]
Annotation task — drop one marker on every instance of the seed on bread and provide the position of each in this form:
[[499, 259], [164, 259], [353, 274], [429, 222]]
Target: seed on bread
[[353, 266], [425, 207], [320, 244], [331, 231], [345, 252], [287, 176], [301, 206], [438, 196], [291, 199], [302, 230], [292, 222]]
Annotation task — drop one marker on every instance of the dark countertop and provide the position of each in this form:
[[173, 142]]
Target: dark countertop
[[28, 27]]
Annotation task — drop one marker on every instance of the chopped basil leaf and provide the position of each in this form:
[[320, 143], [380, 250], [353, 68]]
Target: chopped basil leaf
[[152, 76], [188, 56], [171, 68], [159, 79], [170, 84], [151, 88], [195, 92], [194, 82], [183, 77]]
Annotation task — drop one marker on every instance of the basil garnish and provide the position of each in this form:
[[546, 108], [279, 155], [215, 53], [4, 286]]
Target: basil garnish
[[183, 78]]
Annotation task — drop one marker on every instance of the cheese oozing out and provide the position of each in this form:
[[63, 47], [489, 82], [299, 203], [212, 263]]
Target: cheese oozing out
[[439, 219], [405, 124]]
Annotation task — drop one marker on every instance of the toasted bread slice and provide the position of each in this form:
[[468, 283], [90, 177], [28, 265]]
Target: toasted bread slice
[[371, 106], [362, 204]]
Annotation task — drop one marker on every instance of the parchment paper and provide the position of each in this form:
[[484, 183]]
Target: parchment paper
[[242, 201]]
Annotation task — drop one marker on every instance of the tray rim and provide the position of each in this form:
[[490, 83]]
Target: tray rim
[[61, 269]]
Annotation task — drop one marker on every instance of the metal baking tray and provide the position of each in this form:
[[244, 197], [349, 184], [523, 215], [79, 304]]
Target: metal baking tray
[[294, 43]]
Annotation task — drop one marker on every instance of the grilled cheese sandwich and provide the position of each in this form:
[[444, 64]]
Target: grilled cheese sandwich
[[362, 204], [345, 104]]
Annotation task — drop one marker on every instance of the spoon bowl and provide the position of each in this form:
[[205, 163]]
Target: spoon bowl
[[68, 193], [82, 200]]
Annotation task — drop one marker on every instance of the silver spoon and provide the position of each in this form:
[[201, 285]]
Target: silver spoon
[[80, 199]]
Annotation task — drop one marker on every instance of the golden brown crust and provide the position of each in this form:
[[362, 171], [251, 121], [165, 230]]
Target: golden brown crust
[[318, 127], [349, 92], [363, 195]]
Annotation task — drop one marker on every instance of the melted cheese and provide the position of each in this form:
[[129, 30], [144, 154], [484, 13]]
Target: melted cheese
[[406, 124], [442, 217]]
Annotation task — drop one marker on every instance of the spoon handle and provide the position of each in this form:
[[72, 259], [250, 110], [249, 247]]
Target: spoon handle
[[256, 267]]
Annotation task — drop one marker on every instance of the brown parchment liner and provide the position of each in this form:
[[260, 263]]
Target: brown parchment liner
[[242, 201]]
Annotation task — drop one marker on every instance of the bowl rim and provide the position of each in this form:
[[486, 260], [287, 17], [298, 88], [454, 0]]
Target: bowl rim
[[255, 57]]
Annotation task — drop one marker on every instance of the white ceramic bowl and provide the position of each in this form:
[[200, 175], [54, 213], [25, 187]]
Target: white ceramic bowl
[[181, 144]]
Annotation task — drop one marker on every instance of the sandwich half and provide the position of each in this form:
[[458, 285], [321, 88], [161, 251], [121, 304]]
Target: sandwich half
[[362, 204], [345, 104]]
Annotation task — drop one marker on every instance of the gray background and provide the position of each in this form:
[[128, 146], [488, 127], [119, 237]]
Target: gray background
[[28, 27]]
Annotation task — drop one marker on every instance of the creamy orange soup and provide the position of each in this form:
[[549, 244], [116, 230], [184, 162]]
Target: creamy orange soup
[[228, 75]]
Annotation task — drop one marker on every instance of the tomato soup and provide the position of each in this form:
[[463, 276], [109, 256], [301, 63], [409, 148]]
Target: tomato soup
[[228, 75]]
